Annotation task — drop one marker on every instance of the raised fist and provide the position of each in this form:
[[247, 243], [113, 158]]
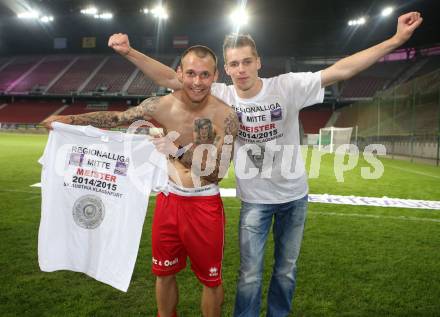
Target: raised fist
[[120, 43]]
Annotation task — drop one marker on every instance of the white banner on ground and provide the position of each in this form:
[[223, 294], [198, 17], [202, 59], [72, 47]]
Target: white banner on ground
[[374, 201], [352, 200]]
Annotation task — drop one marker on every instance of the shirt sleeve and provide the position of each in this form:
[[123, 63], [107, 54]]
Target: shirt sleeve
[[43, 159], [303, 88], [218, 90]]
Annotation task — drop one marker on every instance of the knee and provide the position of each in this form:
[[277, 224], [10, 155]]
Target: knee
[[287, 271], [166, 280], [215, 292], [250, 275]]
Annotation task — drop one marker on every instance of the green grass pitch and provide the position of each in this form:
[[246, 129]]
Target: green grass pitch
[[355, 260]]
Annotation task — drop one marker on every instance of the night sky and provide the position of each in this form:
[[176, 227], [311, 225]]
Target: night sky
[[291, 28]]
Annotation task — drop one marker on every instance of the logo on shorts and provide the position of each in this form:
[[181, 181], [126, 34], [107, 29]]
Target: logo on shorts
[[88, 212], [213, 271]]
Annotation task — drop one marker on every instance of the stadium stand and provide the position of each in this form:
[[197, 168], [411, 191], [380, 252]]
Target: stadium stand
[[312, 120], [362, 87], [28, 111], [85, 107], [14, 70], [142, 86], [432, 63], [111, 77], [273, 66], [378, 77], [4, 61], [61, 75], [40, 77], [76, 75]]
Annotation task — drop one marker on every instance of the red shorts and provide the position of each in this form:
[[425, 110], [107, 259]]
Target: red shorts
[[190, 226]]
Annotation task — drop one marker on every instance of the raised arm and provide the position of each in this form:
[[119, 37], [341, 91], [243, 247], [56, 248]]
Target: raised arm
[[354, 64], [161, 74], [108, 119]]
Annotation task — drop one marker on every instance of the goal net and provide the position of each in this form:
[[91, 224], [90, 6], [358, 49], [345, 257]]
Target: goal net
[[330, 138]]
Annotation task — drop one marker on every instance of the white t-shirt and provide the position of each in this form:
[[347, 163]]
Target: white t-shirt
[[267, 163], [95, 190]]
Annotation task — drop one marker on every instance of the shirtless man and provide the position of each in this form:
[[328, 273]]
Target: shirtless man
[[180, 218]]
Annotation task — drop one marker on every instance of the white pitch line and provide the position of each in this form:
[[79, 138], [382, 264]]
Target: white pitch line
[[374, 216], [320, 213], [412, 171], [18, 191], [352, 200]]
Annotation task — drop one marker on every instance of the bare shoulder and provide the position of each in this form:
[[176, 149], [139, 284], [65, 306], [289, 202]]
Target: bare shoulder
[[226, 116], [221, 108], [150, 105]]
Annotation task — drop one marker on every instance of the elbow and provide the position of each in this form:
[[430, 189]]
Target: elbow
[[347, 74], [170, 83], [342, 74]]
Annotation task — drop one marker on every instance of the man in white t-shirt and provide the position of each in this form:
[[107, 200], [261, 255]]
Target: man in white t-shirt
[[271, 179]]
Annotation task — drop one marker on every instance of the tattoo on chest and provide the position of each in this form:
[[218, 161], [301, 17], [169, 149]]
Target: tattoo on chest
[[204, 132]]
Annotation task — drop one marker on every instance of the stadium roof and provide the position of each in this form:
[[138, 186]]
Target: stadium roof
[[300, 27]]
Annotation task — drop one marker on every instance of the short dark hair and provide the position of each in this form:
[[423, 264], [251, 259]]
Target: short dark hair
[[239, 40], [201, 51]]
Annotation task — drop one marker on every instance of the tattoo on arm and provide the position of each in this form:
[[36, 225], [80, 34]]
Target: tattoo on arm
[[144, 111], [110, 119], [231, 124], [100, 119]]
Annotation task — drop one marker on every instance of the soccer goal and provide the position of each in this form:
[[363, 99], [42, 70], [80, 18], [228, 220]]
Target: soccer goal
[[330, 138]]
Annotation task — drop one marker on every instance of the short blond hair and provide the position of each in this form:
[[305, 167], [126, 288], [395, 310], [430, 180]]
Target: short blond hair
[[239, 40], [201, 51]]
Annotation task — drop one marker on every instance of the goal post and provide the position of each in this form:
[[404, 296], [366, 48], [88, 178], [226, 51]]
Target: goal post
[[332, 137]]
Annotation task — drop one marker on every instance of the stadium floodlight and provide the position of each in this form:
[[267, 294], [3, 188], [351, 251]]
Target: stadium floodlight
[[90, 11], [29, 15], [239, 17], [160, 13], [360, 21], [387, 11], [104, 16], [46, 19]]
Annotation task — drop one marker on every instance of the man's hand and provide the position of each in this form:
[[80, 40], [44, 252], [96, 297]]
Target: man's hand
[[47, 123], [165, 145], [406, 26], [119, 42]]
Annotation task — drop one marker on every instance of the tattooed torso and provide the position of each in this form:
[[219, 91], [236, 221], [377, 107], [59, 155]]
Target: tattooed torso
[[197, 125], [208, 125]]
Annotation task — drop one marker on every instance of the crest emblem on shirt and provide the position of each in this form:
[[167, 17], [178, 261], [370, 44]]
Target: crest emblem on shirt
[[276, 114], [88, 211]]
